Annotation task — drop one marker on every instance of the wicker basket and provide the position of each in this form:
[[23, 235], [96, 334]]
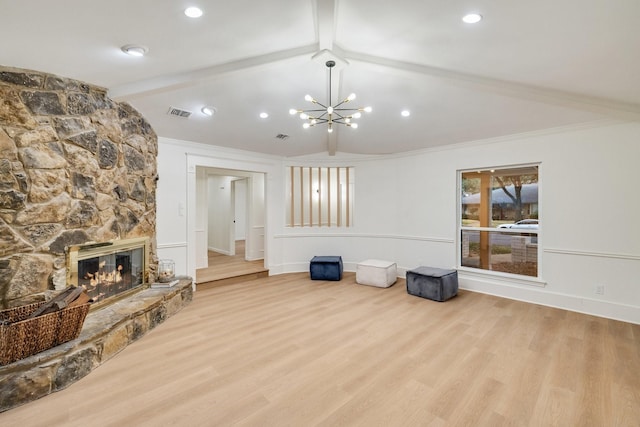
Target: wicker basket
[[21, 337]]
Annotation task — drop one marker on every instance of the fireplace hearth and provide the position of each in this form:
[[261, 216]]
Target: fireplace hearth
[[105, 333]]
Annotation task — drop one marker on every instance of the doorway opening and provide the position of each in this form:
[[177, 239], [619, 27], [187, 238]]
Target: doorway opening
[[229, 225]]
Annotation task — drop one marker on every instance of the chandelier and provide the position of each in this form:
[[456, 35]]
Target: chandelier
[[330, 114]]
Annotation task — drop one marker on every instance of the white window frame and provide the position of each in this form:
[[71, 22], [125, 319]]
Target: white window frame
[[492, 274]]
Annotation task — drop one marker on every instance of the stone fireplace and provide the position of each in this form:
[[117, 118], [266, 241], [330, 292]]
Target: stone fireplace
[[78, 175], [77, 169]]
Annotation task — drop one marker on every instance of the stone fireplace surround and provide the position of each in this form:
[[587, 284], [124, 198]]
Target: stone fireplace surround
[[75, 168]]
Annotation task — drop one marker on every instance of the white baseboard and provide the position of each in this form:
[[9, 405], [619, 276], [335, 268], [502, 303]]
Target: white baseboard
[[529, 294], [220, 251], [600, 308]]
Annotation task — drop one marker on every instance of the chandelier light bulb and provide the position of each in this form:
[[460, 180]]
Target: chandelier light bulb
[[304, 116], [347, 120], [306, 125], [314, 121], [309, 98], [329, 110], [357, 115], [354, 125], [367, 109], [330, 129], [293, 111], [351, 97]]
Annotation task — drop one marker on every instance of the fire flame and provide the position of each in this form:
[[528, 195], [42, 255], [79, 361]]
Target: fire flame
[[104, 277]]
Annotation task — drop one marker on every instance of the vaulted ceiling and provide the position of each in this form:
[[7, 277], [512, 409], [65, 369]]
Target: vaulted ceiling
[[526, 66]]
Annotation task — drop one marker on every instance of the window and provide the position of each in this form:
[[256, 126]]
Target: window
[[499, 220], [320, 196]]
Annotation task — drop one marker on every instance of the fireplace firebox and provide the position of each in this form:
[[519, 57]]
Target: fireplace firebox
[[109, 269]]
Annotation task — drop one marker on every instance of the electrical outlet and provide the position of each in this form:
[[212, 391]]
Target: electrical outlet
[[599, 289]]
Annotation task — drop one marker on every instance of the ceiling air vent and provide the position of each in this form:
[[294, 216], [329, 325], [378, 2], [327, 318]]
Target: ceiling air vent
[[282, 136], [178, 112]]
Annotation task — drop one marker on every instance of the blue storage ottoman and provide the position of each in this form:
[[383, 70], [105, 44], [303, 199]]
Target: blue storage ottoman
[[432, 283], [326, 268]]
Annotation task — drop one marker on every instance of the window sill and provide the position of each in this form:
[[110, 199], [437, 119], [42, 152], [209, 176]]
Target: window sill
[[498, 277]]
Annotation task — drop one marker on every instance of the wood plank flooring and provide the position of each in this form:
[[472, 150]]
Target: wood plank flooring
[[288, 351], [229, 269]]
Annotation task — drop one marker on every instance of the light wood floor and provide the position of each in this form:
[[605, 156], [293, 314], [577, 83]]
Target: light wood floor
[[288, 351], [226, 269]]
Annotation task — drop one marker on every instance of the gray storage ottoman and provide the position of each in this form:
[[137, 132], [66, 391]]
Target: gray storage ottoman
[[326, 268], [436, 284]]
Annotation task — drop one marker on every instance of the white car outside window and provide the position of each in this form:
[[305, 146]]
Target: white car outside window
[[523, 224]]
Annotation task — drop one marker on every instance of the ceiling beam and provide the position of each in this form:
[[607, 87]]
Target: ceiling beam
[[609, 107], [332, 142], [325, 11], [178, 80], [325, 16]]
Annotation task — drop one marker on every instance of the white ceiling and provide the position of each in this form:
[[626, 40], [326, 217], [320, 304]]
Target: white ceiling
[[526, 66]]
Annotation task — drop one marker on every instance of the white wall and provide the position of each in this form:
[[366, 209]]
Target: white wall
[[202, 226], [240, 211], [255, 235], [219, 214], [172, 205], [406, 211]]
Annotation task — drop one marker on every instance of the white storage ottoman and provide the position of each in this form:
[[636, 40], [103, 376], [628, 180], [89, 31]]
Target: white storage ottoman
[[375, 272]]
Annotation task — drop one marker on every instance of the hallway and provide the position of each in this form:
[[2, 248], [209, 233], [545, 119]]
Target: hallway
[[225, 269]]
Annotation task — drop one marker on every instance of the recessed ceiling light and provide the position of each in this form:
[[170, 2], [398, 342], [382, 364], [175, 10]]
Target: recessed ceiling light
[[134, 50], [472, 18], [264, 115], [405, 113], [208, 110], [193, 12]]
